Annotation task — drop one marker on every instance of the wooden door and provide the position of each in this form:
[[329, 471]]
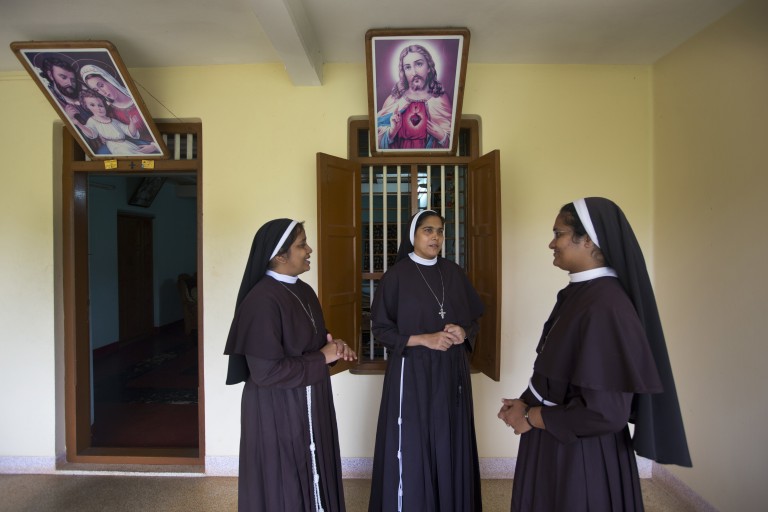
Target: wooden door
[[134, 276]]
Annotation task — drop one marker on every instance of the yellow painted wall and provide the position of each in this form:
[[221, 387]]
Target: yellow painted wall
[[563, 132], [680, 146], [710, 193], [27, 351]]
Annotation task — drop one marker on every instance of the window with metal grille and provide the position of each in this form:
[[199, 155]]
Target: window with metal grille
[[391, 190]]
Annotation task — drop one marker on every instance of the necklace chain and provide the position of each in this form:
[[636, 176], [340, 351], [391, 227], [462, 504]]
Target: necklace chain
[[442, 284], [307, 309]]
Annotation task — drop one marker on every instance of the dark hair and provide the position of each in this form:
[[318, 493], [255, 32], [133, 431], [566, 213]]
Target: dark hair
[[433, 84], [50, 62], [572, 220], [286, 247], [87, 93], [46, 73]]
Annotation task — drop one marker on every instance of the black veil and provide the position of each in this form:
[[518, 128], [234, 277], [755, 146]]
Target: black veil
[[264, 244], [659, 433]]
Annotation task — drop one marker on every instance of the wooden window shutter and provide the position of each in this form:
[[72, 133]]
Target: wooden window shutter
[[484, 264], [338, 249]]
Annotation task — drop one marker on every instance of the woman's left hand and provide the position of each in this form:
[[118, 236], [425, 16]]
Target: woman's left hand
[[512, 413]]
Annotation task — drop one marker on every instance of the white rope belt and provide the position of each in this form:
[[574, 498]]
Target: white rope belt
[[400, 441], [315, 473], [538, 396]]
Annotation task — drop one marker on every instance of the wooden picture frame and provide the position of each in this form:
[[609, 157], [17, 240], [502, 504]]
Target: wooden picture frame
[[411, 114], [91, 90]]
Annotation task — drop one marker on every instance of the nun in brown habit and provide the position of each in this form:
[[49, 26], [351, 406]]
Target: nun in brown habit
[[278, 345], [425, 311], [602, 362]]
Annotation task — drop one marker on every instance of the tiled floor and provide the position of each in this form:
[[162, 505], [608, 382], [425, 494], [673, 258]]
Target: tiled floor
[[89, 493]]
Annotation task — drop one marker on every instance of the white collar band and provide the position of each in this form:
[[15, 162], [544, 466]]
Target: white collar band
[[588, 275], [422, 261], [282, 277]]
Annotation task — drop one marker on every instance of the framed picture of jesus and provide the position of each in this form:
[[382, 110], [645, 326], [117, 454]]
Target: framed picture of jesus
[[415, 89]]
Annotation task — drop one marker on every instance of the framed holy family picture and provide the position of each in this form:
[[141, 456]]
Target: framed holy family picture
[[415, 89], [88, 85]]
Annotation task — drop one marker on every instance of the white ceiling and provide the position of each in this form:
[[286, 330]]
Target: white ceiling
[[304, 34]]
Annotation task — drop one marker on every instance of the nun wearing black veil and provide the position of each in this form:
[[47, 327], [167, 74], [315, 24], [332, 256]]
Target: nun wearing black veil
[[425, 311], [601, 362], [278, 345]]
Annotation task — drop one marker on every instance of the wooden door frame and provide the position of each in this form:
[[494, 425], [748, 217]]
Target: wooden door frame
[[77, 379]]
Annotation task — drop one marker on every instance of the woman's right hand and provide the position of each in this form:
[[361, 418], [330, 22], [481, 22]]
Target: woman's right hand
[[442, 340]]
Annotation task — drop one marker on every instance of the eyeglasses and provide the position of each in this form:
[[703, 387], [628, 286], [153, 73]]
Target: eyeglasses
[[558, 234]]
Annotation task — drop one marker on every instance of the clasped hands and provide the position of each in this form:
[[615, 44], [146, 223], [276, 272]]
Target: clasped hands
[[512, 413], [451, 335], [336, 349]]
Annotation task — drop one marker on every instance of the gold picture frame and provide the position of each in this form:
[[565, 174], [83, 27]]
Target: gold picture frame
[[91, 90], [415, 89]]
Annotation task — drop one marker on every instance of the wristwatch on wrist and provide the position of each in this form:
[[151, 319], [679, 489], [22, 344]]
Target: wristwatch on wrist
[[527, 409]]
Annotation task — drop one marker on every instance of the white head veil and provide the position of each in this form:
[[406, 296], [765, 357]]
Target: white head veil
[[90, 69]]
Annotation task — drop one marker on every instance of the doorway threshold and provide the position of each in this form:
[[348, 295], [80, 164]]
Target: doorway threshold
[[139, 457], [86, 468]]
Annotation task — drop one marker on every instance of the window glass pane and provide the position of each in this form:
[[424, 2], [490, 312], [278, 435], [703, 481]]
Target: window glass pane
[[363, 146], [370, 350]]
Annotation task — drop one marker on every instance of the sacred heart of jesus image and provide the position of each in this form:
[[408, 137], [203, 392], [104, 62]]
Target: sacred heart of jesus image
[[415, 125]]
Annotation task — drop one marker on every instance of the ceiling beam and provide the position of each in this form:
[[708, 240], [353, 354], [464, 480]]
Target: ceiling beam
[[286, 24]]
